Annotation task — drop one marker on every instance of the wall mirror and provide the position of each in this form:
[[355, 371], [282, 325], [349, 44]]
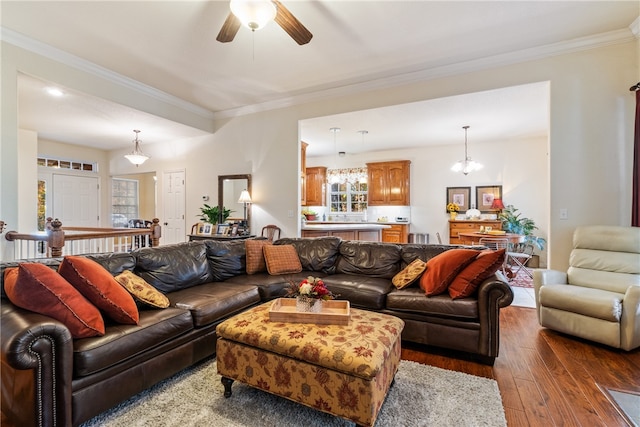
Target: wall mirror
[[229, 189]]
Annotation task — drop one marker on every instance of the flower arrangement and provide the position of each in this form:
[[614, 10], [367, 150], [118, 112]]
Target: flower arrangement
[[311, 287], [453, 207]]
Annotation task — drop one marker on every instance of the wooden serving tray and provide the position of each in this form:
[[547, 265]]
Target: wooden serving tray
[[334, 312]]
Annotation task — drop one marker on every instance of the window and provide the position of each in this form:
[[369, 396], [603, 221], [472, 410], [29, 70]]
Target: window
[[67, 164], [124, 201], [349, 197]]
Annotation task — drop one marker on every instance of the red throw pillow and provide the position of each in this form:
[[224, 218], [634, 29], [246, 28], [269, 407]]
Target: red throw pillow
[[468, 280], [38, 288], [443, 268], [255, 255], [98, 286]]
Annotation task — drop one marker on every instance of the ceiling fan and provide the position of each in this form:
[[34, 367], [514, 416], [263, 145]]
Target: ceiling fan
[[256, 14]]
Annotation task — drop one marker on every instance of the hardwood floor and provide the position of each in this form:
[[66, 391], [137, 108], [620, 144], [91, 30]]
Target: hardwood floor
[[547, 378]]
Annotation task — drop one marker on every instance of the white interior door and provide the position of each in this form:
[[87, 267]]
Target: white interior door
[[173, 225], [75, 200]]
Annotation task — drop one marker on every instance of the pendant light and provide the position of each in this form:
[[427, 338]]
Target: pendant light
[[333, 175], [467, 165], [137, 157]]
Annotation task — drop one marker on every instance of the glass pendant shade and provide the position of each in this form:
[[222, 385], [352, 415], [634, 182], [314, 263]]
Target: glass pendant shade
[[467, 165], [253, 14], [136, 157]]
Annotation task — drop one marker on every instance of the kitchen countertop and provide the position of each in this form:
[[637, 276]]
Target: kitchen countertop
[[357, 222], [332, 226]]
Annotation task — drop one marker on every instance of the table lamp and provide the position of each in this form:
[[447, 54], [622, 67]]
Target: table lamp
[[245, 198], [497, 205]]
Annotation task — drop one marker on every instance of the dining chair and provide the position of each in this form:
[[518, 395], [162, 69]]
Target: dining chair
[[518, 260], [496, 243], [271, 232]]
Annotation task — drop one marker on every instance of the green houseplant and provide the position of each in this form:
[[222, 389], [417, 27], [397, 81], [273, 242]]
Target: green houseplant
[[211, 214], [512, 222]]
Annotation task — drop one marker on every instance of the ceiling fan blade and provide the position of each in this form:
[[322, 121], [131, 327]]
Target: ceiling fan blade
[[291, 25], [229, 29]]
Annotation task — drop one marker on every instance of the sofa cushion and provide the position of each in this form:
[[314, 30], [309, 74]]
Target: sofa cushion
[[226, 259], [317, 254], [480, 269], [173, 267], [212, 302], [409, 274], [36, 287], [255, 255], [412, 301], [115, 262], [361, 291], [370, 259], [122, 342], [282, 259], [443, 268], [271, 287], [425, 252], [141, 290], [99, 287]]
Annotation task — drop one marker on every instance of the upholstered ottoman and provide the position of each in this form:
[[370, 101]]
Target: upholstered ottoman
[[343, 370]]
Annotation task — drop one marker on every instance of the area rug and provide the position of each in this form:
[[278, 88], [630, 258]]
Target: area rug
[[522, 280], [627, 403], [420, 396]]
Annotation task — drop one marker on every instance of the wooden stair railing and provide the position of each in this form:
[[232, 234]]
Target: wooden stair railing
[[55, 237]]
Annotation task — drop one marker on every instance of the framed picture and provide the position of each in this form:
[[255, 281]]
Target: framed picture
[[460, 196], [223, 229], [485, 196], [234, 229], [205, 229]]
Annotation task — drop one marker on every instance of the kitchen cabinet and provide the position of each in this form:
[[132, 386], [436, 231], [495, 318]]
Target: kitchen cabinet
[[398, 233], [316, 178], [388, 183], [303, 173], [456, 227]]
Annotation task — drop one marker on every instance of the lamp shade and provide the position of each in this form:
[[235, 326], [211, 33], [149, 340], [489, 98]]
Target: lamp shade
[[244, 197], [497, 204]]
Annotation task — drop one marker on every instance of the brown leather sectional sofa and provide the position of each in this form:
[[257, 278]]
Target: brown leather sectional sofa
[[51, 379]]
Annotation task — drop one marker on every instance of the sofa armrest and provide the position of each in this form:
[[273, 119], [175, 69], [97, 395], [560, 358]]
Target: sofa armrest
[[546, 277], [630, 321], [37, 364], [493, 294]]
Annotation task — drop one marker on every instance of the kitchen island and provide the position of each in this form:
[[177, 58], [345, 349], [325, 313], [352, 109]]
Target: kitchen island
[[346, 231]]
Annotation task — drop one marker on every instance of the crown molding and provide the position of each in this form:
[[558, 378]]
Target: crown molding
[[50, 52], [409, 77]]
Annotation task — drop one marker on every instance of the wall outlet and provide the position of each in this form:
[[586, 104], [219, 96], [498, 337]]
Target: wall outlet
[[290, 213], [564, 213]]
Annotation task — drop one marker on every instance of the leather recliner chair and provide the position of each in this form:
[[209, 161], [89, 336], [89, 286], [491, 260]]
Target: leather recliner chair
[[598, 298]]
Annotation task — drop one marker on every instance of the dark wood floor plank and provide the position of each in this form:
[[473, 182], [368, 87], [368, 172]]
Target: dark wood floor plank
[[547, 378]]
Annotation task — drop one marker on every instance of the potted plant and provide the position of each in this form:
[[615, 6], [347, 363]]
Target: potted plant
[[309, 214], [512, 222], [211, 214]]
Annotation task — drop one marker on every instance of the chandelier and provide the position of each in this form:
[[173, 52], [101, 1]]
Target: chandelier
[[467, 165], [137, 157]]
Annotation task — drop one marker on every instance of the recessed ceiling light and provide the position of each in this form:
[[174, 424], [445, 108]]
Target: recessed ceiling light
[[54, 91]]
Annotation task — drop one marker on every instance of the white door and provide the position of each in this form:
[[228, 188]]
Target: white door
[[75, 200], [173, 225]]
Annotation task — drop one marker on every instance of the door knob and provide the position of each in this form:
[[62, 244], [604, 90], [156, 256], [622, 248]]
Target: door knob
[[166, 223]]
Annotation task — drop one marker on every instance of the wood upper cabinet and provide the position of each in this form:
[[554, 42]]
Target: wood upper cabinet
[[303, 173], [388, 183], [315, 194]]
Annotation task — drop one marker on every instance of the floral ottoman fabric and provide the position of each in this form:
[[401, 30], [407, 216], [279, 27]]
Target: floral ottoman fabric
[[342, 370]]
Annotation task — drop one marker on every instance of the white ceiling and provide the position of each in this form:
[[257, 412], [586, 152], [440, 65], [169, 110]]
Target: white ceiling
[[171, 46]]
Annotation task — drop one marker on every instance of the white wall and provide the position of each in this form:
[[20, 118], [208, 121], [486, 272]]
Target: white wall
[[591, 128]]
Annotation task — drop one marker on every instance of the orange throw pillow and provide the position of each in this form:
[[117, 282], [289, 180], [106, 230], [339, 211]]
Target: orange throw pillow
[[443, 268], [483, 267], [98, 286], [38, 288], [282, 259], [255, 255]]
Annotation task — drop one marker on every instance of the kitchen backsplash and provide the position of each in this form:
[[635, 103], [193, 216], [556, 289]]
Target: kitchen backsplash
[[373, 214]]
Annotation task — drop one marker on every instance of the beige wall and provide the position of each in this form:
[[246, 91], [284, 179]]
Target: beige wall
[[591, 127]]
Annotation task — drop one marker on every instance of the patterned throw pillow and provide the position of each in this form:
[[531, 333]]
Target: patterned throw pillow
[[281, 259], [38, 288], [409, 274], [141, 290], [443, 268], [483, 267], [255, 255], [98, 285]]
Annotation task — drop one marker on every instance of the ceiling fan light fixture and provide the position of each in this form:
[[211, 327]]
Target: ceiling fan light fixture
[[253, 14], [136, 157]]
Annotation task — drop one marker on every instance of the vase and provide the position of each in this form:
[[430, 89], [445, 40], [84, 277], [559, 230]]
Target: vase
[[305, 304], [453, 215]]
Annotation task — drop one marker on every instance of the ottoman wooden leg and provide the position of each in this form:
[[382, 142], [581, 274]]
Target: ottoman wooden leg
[[227, 386]]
